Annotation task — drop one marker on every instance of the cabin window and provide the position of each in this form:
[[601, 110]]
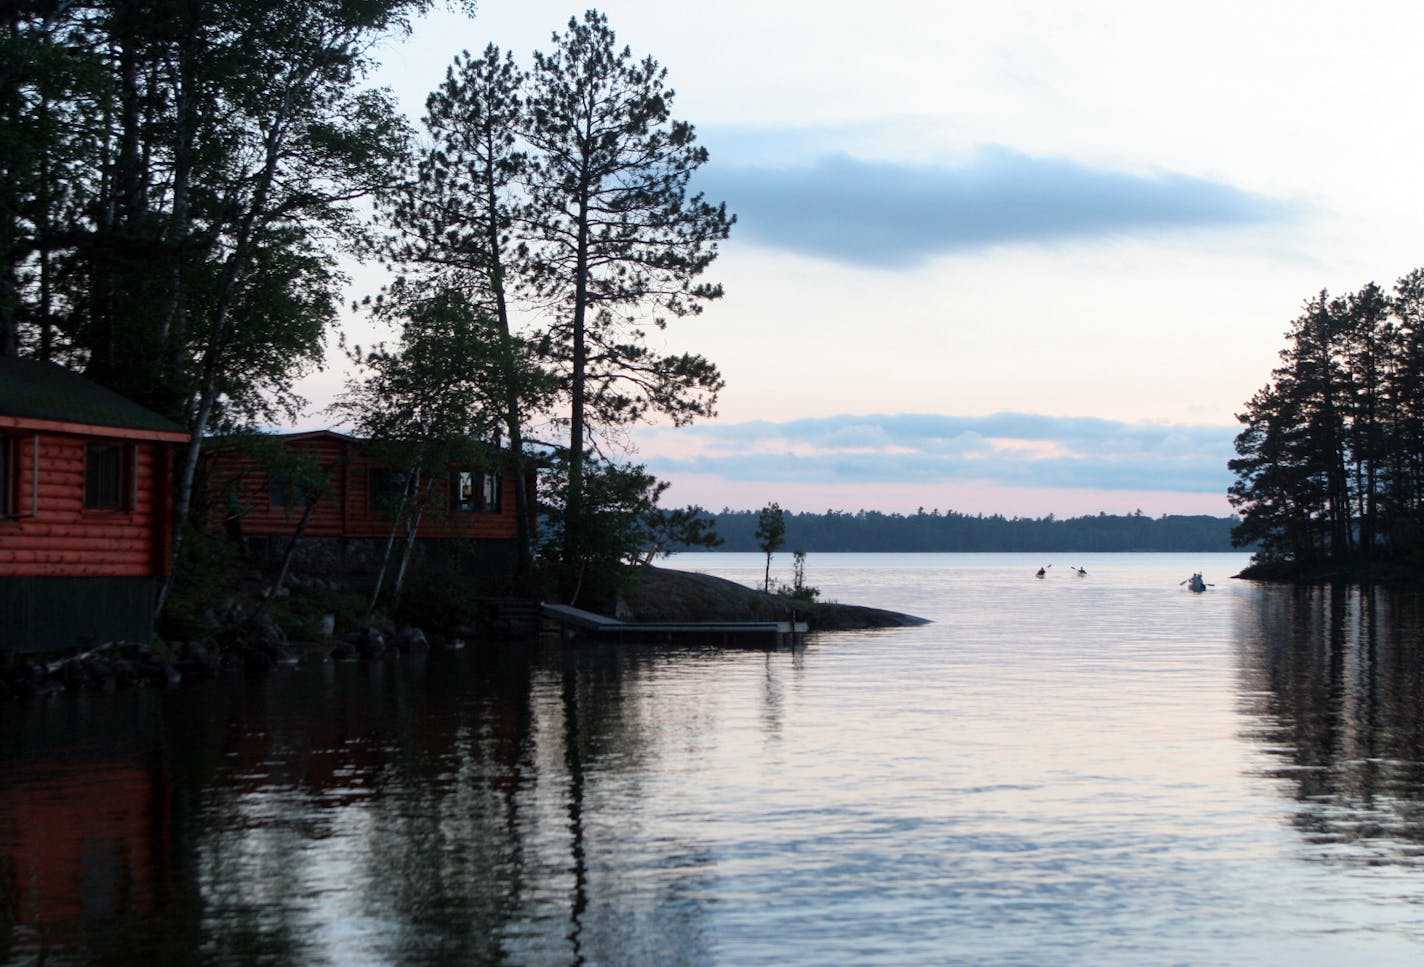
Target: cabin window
[[388, 487], [474, 491], [283, 491], [9, 476], [108, 476]]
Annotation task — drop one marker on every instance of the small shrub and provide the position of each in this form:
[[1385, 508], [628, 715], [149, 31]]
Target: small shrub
[[438, 600], [798, 588], [205, 563], [301, 613]]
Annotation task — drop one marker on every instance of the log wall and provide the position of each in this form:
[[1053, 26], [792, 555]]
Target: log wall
[[51, 533], [344, 508]]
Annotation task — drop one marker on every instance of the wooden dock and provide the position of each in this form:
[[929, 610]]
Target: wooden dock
[[576, 623]]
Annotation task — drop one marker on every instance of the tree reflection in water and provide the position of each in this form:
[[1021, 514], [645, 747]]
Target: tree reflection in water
[[611, 722], [607, 804], [1333, 682]]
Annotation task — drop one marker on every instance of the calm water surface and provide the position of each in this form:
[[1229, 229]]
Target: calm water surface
[[1097, 770]]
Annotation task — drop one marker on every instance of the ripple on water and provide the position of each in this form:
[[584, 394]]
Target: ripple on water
[[1100, 770]]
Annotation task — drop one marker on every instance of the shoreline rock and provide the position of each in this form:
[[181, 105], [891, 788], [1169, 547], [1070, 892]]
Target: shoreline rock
[[253, 642], [663, 594], [1383, 574]]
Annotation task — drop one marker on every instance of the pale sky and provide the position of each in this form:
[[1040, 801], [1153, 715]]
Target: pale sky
[[1006, 257]]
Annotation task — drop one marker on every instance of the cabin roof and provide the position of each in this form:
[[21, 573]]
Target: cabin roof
[[220, 440], [320, 434], [38, 391]]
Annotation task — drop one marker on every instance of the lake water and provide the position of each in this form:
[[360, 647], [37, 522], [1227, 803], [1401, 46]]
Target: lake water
[[1105, 769]]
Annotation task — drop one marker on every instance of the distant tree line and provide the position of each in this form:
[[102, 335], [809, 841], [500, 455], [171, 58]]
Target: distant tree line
[[869, 530], [1330, 463]]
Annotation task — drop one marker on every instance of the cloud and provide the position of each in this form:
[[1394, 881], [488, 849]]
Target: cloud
[[895, 214], [1003, 449]]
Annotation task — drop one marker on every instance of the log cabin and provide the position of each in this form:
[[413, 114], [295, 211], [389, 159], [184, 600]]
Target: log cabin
[[336, 494], [85, 510]]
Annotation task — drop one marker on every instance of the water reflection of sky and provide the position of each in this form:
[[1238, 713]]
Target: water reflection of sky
[[1101, 770]]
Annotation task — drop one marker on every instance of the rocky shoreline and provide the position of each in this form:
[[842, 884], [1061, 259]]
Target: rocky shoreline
[[248, 638], [251, 644], [1362, 573], [662, 594]]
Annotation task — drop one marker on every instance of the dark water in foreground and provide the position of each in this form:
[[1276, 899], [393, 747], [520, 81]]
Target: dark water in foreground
[[1092, 770]]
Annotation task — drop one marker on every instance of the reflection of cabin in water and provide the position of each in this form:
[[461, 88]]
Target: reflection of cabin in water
[[85, 506], [351, 499], [87, 841]]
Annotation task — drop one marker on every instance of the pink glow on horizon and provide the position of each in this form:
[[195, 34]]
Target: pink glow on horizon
[[716, 493]]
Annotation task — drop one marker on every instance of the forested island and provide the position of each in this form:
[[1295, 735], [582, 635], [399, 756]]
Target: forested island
[[1330, 463], [948, 531]]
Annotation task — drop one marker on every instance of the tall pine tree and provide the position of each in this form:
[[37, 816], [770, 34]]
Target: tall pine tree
[[454, 220], [618, 243]]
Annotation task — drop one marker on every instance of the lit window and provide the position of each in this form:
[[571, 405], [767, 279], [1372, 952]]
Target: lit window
[[474, 491], [107, 471]]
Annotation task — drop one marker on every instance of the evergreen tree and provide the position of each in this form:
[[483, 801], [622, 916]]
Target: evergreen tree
[[1328, 466], [1368, 337], [52, 82], [1405, 389], [770, 535], [1278, 496], [454, 223], [616, 238]]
